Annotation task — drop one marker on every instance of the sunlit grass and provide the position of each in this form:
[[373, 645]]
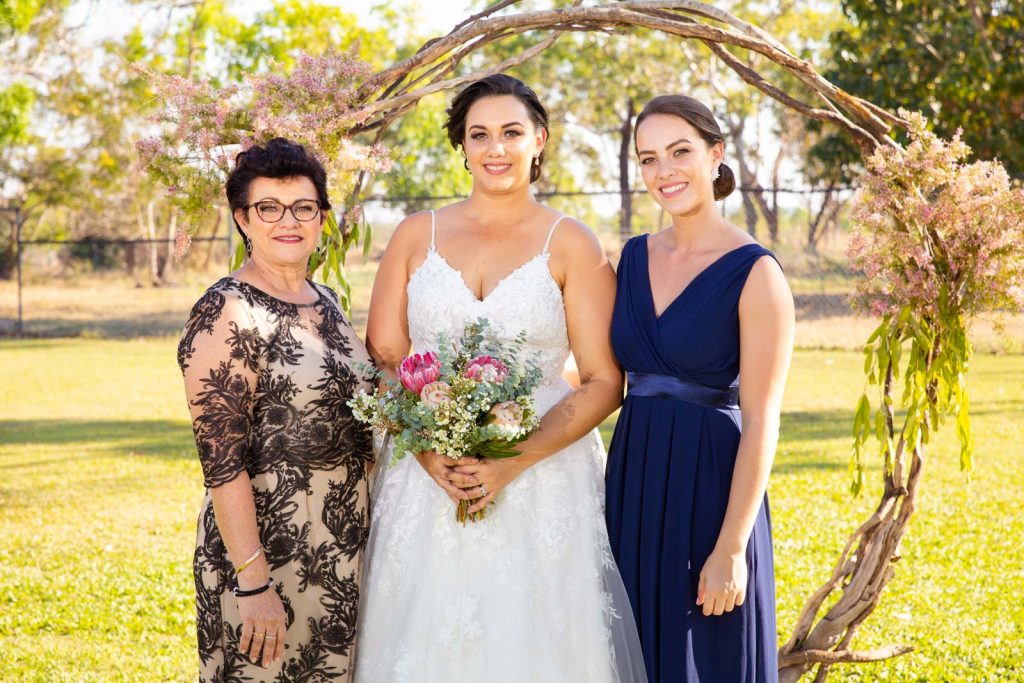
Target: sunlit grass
[[99, 490]]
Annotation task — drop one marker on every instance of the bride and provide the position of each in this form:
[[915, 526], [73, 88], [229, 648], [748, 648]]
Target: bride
[[531, 592]]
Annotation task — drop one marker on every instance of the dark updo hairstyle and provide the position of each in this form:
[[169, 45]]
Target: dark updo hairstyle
[[277, 158], [492, 86], [700, 117]]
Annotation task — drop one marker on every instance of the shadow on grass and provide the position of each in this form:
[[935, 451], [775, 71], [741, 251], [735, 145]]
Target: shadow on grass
[[159, 324], [29, 343], [814, 425], [163, 438]]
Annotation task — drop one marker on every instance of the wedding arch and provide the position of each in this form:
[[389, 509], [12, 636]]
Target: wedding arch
[[350, 102]]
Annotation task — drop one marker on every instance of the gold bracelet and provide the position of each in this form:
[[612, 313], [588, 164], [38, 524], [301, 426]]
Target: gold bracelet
[[245, 565]]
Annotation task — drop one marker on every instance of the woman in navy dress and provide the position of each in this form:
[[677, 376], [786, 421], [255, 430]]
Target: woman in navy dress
[[703, 324]]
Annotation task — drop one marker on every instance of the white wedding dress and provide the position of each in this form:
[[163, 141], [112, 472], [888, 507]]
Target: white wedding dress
[[530, 594]]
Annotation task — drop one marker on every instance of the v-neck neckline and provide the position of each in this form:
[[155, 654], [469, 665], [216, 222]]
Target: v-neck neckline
[[469, 290], [689, 285]]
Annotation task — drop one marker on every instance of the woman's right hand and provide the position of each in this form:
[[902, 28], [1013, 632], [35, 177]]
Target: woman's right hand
[[262, 614], [439, 470]]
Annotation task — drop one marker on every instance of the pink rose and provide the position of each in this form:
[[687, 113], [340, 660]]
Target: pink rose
[[419, 370], [486, 369], [508, 414], [434, 394]]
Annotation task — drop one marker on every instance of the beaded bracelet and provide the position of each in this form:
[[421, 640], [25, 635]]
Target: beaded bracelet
[[245, 565], [240, 593]]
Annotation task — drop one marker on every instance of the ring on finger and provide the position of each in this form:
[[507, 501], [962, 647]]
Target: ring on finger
[[259, 635], [483, 490], [271, 636]]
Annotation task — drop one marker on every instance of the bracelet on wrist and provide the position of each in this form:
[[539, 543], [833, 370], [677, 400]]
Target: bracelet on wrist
[[252, 558], [242, 593]]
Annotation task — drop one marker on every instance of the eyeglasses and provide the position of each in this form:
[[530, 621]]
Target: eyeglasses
[[271, 210]]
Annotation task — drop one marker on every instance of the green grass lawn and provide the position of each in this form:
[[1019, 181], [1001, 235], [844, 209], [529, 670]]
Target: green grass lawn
[[99, 489]]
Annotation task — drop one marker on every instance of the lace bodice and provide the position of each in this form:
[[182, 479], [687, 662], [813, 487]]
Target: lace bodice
[[527, 299]]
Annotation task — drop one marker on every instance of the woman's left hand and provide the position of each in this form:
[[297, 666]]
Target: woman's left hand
[[484, 478], [723, 582]]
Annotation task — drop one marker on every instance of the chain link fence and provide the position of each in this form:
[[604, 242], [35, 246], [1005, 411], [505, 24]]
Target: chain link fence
[[111, 288], [126, 288]]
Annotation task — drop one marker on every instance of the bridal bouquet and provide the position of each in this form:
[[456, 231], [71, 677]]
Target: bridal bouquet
[[472, 396]]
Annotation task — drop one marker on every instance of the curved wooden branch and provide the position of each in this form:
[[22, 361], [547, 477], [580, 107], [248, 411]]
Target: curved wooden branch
[[403, 100], [808, 657], [866, 123], [844, 567], [863, 138]]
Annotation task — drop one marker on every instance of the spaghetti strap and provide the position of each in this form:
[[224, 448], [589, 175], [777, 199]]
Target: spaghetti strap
[[551, 233], [433, 223]]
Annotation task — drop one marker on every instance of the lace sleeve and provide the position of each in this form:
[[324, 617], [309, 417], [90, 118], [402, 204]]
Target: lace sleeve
[[219, 357]]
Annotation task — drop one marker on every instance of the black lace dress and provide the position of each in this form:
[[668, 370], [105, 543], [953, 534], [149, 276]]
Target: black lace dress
[[267, 383]]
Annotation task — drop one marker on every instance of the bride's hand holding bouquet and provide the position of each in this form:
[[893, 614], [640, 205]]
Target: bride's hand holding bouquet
[[461, 410]]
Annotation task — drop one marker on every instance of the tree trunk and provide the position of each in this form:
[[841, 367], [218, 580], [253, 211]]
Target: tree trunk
[[747, 176], [770, 212], [749, 212], [625, 150], [773, 219], [169, 246], [211, 245], [147, 228], [817, 222]]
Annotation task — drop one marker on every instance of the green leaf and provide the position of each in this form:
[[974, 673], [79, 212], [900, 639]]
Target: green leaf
[[367, 239], [238, 258], [856, 471], [877, 333], [498, 449], [881, 426], [860, 419]]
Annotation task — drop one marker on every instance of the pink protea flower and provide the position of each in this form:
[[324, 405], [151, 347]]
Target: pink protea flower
[[486, 369], [508, 414], [419, 370], [435, 393]]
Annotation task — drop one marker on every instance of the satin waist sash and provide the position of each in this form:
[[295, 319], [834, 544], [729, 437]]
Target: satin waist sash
[[676, 388]]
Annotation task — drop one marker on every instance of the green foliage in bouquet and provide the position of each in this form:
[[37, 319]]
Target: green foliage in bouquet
[[472, 396]]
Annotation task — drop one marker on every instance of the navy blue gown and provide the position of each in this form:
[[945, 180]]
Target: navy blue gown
[[670, 469]]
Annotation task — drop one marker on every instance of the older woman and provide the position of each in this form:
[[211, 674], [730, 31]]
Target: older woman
[[269, 363]]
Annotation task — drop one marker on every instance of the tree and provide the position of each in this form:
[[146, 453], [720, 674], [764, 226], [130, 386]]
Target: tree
[[960, 60], [29, 29], [748, 114], [71, 116]]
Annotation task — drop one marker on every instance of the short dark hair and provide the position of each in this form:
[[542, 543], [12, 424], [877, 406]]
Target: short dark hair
[[492, 86], [277, 158], [697, 114]]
